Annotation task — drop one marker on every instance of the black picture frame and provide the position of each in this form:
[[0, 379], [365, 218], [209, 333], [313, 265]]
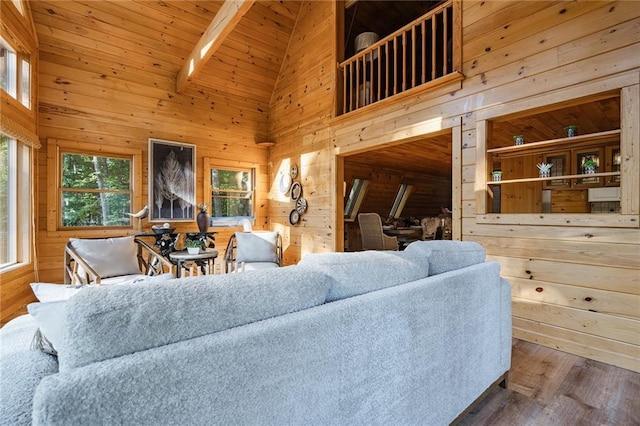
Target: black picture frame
[[172, 181]]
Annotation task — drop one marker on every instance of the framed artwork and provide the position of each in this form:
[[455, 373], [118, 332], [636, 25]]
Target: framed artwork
[[172, 181]]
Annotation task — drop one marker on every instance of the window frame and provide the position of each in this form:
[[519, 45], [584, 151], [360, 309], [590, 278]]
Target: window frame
[[16, 75], [357, 193], [19, 197], [55, 149], [404, 192], [209, 165]]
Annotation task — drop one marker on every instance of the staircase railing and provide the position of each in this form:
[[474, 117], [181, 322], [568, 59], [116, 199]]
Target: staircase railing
[[418, 53]]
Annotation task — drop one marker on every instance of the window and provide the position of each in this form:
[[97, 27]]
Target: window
[[25, 82], [8, 68], [356, 195], [94, 189], [401, 199], [15, 234], [19, 6], [232, 193], [15, 73]]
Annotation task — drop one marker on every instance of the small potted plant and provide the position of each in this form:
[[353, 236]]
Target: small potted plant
[[589, 166], [193, 246], [571, 131]]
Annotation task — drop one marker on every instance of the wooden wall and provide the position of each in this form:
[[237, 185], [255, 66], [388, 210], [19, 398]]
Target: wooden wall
[[576, 288], [120, 100], [301, 107]]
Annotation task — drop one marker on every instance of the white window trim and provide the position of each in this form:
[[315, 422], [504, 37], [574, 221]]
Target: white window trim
[[358, 192], [20, 196], [404, 191]]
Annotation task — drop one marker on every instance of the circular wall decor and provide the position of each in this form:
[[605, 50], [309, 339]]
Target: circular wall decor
[[285, 183], [294, 217], [294, 171], [296, 190], [301, 205]]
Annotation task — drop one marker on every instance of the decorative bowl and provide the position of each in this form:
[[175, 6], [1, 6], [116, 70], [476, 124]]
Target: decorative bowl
[[161, 230]]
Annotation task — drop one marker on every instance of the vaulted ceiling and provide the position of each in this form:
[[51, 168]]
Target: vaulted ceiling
[[158, 36], [153, 39]]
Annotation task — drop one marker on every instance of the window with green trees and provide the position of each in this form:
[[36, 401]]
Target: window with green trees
[[232, 193], [95, 190]]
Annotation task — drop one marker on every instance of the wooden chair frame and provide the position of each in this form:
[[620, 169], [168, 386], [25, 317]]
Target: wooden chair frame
[[229, 261], [150, 262]]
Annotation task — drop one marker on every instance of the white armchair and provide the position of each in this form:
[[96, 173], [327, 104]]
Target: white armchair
[[111, 260], [252, 251]]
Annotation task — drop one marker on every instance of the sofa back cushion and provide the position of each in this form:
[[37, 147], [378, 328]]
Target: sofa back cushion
[[357, 273], [106, 322], [109, 257], [445, 255]]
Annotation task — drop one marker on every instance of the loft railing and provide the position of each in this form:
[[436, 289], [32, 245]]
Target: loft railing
[[418, 53]]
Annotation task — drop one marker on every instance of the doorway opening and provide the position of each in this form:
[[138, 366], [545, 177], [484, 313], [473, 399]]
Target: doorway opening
[[419, 170]]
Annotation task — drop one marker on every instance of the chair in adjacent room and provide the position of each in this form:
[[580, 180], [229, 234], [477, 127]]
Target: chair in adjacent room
[[430, 227], [373, 238], [247, 251]]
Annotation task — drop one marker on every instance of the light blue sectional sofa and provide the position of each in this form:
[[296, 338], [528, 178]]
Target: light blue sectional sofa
[[366, 338]]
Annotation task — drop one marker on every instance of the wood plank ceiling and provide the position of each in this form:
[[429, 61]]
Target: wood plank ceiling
[[153, 39], [145, 39]]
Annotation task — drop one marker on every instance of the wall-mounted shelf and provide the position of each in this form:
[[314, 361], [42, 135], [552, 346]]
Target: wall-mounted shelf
[[580, 176], [544, 146]]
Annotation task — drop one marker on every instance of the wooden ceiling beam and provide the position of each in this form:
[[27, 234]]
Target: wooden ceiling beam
[[223, 23]]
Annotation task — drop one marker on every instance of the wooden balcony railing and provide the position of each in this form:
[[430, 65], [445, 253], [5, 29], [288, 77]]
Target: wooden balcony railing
[[418, 53]]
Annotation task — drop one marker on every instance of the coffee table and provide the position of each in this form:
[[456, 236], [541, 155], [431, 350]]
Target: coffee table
[[204, 259]]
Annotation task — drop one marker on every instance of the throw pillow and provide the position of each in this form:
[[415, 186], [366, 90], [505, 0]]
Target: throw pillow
[[256, 246], [445, 255], [357, 273], [46, 292], [51, 320], [109, 257]]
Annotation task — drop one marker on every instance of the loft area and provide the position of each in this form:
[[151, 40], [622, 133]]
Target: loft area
[[365, 16]]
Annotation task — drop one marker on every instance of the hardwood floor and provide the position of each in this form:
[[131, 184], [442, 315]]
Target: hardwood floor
[[550, 387]]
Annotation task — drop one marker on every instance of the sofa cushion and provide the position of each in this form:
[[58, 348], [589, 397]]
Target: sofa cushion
[[21, 370], [256, 246], [445, 255], [49, 314], [109, 257], [103, 322], [357, 273]]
